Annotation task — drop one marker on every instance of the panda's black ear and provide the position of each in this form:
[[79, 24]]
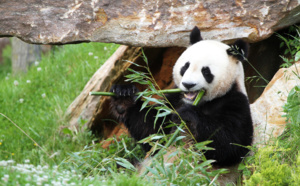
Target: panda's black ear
[[239, 49], [195, 35]]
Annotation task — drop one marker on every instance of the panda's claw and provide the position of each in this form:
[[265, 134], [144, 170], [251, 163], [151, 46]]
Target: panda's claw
[[123, 91]]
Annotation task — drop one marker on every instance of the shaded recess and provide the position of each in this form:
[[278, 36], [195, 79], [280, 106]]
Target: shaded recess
[[265, 58], [161, 62]]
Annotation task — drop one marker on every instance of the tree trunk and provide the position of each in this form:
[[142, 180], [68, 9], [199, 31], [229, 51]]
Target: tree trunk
[[23, 55]]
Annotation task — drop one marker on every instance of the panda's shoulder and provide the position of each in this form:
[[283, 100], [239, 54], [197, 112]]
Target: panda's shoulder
[[233, 101]]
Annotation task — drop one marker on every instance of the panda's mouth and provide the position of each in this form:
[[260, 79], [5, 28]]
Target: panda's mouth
[[191, 96]]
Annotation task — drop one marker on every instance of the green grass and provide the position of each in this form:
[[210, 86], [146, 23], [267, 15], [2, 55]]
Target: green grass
[[36, 102]]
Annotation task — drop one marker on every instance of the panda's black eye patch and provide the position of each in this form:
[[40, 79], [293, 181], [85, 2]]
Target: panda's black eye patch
[[207, 74], [184, 68]]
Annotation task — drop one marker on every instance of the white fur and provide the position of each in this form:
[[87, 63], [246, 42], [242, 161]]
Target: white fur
[[207, 53]]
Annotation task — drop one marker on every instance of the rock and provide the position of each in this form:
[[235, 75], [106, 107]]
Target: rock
[[267, 110], [151, 23]]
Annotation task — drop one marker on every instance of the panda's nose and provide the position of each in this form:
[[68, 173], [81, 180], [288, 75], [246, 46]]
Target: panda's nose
[[188, 85]]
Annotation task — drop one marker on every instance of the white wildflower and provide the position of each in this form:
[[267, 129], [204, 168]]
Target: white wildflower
[[16, 83], [5, 177], [39, 182], [65, 181], [10, 161], [39, 69], [21, 100], [6, 78], [43, 95], [28, 81], [27, 161], [45, 178], [3, 163], [96, 57], [105, 48], [90, 53], [28, 178], [36, 63]]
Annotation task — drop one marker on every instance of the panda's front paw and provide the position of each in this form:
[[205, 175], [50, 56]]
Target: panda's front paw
[[125, 97], [123, 91]]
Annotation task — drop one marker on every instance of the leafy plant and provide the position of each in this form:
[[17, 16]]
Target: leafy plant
[[95, 160], [292, 43]]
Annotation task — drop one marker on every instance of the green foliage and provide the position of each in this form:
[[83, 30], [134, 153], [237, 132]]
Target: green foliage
[[270, 169], [292, 43], [292, 110], [94, 160], [180, 165]]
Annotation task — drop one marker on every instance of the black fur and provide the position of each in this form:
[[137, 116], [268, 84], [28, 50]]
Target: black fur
[[239, 49], [207, 74], [184, 68], [225, 120], [195, 35]]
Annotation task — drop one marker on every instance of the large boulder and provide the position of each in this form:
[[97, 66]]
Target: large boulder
[[267, 110], [150, 23]]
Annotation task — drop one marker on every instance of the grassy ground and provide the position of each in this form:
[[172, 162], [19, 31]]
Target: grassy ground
[[32, 107], [35, 102]]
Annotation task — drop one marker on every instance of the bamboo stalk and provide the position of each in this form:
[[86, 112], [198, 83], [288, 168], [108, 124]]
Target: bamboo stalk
[[167, 91], [175, 134]]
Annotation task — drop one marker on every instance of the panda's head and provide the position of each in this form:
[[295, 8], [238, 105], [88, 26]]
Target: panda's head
[[209, 65]]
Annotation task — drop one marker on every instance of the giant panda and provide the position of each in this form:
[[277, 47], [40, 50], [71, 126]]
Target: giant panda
[[223, 114]]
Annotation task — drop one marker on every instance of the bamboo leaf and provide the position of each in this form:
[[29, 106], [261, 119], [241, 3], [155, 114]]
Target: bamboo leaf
[[156, 137], [164, 113], [179, 138], [124, 163], [153, 100]]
